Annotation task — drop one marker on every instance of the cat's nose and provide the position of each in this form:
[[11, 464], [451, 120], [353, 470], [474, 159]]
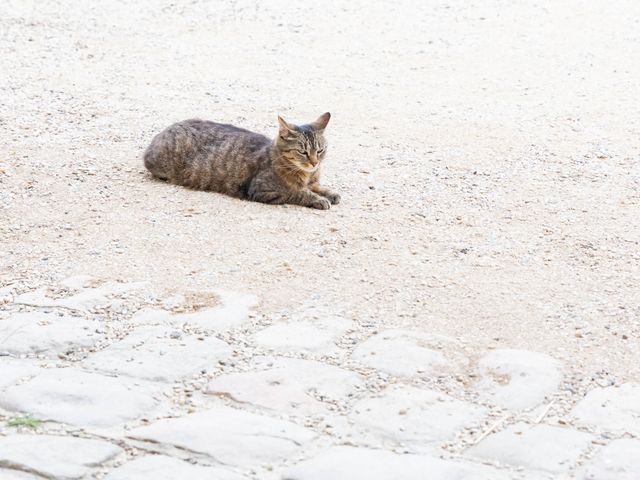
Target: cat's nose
[[313, 160]]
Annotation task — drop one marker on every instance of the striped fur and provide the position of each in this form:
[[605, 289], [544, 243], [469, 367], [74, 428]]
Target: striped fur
[[222, 158]]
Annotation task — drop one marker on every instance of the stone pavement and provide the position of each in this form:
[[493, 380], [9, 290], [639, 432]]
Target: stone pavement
[[111, 380]]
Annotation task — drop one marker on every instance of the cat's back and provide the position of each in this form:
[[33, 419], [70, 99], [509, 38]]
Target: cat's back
[[206, 129], [207, 155], [196, 133]]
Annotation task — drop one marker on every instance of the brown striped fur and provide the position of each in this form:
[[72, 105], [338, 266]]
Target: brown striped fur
[[222, 158]]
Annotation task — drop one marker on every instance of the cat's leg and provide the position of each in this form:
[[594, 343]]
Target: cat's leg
[[333, 197], [308, 198], [305, 198]]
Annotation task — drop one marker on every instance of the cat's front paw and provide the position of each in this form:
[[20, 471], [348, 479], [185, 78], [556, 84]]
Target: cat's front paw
[[321, 204], [334, 198]]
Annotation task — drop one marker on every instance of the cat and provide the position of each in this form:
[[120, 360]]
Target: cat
[[226, 159]]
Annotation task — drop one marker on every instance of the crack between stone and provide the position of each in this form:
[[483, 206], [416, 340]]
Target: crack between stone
[[23, 468], [169, 446]]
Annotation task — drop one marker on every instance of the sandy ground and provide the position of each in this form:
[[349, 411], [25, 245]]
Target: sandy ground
[[487, 155]]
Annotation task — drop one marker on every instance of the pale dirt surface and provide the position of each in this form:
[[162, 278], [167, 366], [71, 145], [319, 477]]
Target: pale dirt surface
[[488, 158], [508, 131]]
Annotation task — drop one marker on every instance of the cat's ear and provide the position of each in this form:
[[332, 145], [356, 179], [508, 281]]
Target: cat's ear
[[321, 122], [286, 130]]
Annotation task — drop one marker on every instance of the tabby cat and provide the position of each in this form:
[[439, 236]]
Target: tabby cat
[[222, 158]]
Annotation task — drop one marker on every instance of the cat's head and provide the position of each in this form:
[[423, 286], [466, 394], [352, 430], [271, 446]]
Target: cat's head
[[303, 146]]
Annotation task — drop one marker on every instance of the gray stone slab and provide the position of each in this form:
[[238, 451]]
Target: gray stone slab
[[46, 333], [613, 409], [78, 281], [517, 379], [288, 385], [159, 353], [233, 312], [315, 336], [161, 467], [84, 299], [351, 463], [620, 460], [83, 399], [63, 458], [538, 447], [414, 417], [151, 316], [410, 353], [102, 295], [13, 370], [36, 298], [232, 437]]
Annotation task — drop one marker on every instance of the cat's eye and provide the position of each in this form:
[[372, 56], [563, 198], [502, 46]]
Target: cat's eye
[[320, 150], [302, 152]]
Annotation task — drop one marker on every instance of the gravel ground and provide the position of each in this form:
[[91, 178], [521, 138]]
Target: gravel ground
[[487, 156]]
